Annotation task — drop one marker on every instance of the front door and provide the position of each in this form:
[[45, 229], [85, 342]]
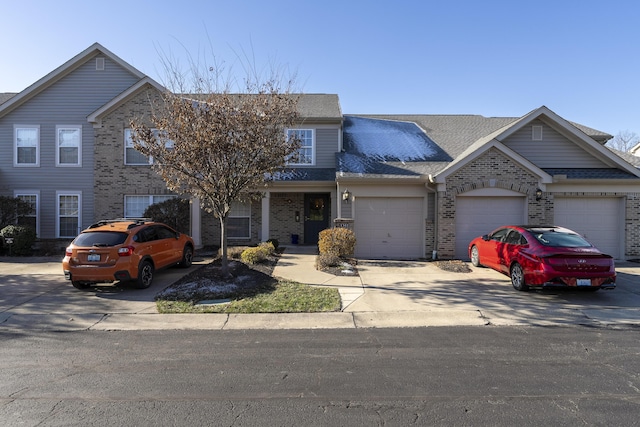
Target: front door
[[316, 216]]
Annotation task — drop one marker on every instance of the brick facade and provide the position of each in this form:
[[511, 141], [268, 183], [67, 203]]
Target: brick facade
[[114, 179], [491, 170]]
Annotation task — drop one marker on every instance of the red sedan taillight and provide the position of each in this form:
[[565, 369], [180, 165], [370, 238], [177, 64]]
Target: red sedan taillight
[[126, 251]]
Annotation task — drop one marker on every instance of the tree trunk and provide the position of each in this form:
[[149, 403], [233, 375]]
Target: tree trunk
[[223, 248]]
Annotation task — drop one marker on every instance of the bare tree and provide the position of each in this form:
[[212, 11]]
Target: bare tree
[[624, 141], [217, 146]]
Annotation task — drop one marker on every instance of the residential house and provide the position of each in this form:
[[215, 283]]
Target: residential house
[[410, 186]]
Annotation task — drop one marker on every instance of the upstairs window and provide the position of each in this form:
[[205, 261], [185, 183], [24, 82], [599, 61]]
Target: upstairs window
[[304, 156], [26, 146], [133, 156], [68, 145]]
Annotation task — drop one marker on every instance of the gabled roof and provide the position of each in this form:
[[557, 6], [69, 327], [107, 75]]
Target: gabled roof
[[5, 96], [319, 107], [114, 103], [61, 72], [458, 139], [561, 125]]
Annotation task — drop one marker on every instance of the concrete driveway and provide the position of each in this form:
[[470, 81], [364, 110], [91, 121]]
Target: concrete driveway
[[34, 294], [405, 286]]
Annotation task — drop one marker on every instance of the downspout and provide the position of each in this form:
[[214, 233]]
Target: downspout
[[434, 254]]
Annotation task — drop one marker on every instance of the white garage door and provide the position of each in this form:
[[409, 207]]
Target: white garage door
[[598, 219], [389, 227], [476, 216]]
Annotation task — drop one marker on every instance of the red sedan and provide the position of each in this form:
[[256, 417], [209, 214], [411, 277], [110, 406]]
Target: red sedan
[[543, 257]]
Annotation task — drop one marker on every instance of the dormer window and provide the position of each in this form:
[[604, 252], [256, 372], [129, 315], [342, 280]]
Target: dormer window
[[305, 155]]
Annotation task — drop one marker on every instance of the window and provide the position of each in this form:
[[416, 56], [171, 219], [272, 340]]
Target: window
[[304, 156], [68, 214], [133, 156], [27, 146], [30, 220], [500, 234], [239, 221], [68, 145], [134, 206]]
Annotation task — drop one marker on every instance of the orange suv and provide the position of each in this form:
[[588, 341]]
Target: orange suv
[[125, 250]]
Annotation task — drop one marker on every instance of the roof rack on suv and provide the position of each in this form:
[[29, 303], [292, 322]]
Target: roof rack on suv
[[135, 222]]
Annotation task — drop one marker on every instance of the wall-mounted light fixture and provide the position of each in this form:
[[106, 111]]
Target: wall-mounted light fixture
[[297, 216], [538, 194], [346, 195]]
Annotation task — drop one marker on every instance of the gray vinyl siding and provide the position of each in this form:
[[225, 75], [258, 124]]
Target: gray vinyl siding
[[327, 141], [68, 101], [554, 151]]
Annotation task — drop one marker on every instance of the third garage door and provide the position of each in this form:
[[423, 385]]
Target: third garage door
[[389, 227], [599, 219]]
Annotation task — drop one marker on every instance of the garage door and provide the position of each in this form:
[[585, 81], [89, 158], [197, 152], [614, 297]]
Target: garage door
[[476, 216], [600, 220], [389, 228]]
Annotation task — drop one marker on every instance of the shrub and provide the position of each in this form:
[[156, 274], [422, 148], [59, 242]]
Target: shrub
[[274, 242], [324, 261], [268, 246], [174, 212], [11, 209], [337, 241], [258, 253], [253, 255], [23, 239]]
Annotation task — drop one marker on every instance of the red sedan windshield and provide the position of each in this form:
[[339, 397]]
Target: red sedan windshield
[[556, 238]]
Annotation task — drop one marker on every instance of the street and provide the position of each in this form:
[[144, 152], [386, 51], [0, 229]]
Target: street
[[509, 375]]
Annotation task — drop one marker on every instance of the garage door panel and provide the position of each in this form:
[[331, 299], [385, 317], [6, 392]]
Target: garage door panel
[[596, 218], [389, 227], [476, 216]]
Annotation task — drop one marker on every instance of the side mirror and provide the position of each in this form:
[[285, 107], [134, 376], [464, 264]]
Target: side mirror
[[485, 237], [177, 235]]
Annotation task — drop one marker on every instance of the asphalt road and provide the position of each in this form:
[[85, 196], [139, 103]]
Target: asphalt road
[[500, 376]]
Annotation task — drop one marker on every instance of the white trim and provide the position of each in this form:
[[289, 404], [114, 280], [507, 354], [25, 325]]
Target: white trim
[[68, 127], [266, 206], [59, 194], [15, 146]]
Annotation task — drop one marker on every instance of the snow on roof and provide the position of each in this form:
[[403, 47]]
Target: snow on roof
[[387, 140]]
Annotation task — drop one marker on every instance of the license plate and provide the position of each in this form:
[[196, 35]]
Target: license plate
[[93, 257], [584, 282]]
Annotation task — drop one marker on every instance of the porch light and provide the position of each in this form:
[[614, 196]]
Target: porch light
[[538, 194], [346, 195]]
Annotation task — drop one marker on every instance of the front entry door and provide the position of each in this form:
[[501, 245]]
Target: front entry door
[[316, 216]]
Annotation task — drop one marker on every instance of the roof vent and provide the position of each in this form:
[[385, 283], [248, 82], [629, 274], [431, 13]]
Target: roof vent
[[100, 64], [536, 133]]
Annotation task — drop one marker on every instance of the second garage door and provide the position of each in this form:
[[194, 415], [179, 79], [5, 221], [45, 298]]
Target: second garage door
[[476, 216], [390, 228], [599, 219]]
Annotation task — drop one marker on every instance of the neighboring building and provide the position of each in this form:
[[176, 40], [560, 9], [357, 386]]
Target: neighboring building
[[411, 186], [47, 145]]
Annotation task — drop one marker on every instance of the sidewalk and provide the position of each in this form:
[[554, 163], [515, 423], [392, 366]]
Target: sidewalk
[[385, 294]]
